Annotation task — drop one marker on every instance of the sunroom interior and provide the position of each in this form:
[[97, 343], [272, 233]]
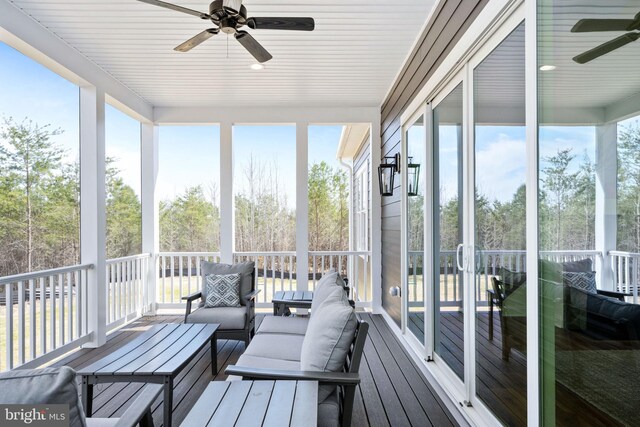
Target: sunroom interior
[[498, 273]]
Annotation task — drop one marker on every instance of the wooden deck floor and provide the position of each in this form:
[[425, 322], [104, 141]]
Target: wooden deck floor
[[393, 392]]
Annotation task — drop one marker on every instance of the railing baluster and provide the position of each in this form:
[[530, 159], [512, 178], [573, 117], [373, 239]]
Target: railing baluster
[[164, 278], [43, 316], [32, 316], [70, 308], [180, 274], [52, 330], [314, 271], [21, 322], [78, 279], [8, 293], [188, 277], [62, 309], [173, 273]]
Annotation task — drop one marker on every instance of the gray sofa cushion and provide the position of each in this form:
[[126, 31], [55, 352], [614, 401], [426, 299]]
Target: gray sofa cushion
[[267, 363], [283, 325], [49, 385], [244, 268], [229, 318], [276, 346], [329, 337], [324, 287], [329, 411]]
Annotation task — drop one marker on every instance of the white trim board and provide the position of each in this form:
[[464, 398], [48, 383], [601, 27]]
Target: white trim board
[[265, 115]]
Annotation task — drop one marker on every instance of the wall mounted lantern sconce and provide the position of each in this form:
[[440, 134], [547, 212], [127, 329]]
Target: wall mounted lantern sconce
[[386, 173], [413, 177]]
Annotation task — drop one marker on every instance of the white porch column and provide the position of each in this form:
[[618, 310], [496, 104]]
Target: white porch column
[[606, 183], [227, 211], [150, 221], [302, 206], [93, 212], [376, 217]]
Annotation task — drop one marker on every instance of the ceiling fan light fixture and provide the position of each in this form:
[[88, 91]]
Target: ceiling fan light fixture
[[257, 66], [547, 67]]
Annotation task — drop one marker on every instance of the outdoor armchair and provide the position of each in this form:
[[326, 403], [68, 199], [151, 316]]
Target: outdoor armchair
[[51, 386], [236, 323]]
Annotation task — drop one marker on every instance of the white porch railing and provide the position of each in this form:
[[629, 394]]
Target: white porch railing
[[43, 315], [126, 288], [487, 265], [355, 265], [179, 273], [625, 272]]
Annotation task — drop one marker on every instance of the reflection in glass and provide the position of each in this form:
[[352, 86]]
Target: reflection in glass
[[588, 215], [500, 235], [448, 208], [416, 146]]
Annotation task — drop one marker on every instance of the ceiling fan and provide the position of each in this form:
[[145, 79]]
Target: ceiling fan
[[593, 25], [230, 16]]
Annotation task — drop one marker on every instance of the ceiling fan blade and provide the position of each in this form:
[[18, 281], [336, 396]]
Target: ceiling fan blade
[[252, 45], [177, 8], [196, 40], [590, 25], [605, 48], [298, 24]]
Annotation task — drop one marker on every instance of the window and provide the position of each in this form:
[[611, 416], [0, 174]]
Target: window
[[264, 178], [328, 191], [361, 214], [188, 188], [123, 181], [39, 191]]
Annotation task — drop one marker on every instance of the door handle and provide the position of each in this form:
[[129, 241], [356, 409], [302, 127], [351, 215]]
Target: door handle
[[458, 252]]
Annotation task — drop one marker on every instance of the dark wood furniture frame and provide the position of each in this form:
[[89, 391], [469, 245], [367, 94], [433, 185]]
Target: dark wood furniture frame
[[267, 403], [151, 358], [347, 380], [250, 323]]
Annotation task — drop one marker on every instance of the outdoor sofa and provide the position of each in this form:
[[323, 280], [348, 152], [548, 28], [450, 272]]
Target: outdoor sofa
[[326, 347]]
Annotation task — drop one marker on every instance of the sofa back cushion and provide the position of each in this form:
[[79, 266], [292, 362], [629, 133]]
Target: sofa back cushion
[[245, 269], [324, 287], [43, 386], [329, 337]]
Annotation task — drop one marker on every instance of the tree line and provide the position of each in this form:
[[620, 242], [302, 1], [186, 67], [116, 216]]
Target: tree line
[[40, 207]]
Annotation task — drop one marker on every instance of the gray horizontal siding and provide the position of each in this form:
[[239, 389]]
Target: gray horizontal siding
[[448, 23]]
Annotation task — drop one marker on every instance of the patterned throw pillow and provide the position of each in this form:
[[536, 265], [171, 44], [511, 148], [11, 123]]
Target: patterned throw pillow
[[585, 281], [223, 290]]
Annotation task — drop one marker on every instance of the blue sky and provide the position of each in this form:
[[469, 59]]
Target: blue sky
[[189, 155]]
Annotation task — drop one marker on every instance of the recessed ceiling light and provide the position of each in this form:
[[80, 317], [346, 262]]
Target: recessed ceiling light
[[257, 66], [547, 68]]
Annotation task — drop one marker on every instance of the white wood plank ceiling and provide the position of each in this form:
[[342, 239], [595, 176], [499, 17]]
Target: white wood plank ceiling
[[349, 60]]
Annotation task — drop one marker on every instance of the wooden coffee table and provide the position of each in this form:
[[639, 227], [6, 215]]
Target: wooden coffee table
[[256, 403], [156, 356]]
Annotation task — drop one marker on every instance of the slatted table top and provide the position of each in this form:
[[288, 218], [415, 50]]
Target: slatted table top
[[162, 350], [288, 296], [256, 403]]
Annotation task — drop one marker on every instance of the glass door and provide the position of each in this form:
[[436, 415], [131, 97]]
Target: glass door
[[415, 153], [499, 223], [448, 280]]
